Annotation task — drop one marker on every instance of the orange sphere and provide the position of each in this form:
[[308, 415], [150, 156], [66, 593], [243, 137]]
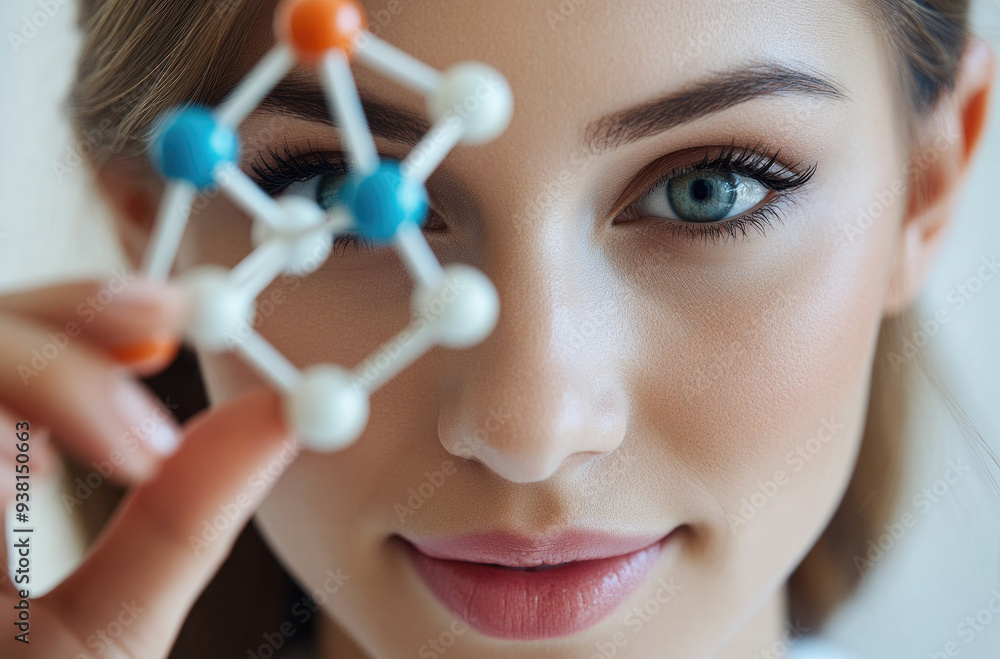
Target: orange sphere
[[314, 27]]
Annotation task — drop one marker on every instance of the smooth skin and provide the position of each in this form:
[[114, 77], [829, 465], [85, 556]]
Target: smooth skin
[[643, 381]]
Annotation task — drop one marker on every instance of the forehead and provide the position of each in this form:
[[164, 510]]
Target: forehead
[[571, 62], [575, 42], [621, 45]]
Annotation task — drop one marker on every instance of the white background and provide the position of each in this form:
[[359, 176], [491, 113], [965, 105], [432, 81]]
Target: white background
[[945, 568]]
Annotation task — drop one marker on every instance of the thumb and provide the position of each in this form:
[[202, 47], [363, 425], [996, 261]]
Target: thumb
[[172, 533]]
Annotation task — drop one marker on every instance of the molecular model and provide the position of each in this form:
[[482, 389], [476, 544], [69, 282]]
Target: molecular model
[[195, 148]]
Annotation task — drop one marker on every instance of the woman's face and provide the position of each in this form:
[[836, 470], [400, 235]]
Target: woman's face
[[677, 381]]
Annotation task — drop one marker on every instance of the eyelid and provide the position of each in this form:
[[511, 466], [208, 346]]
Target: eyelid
[[312, 163], [275, 172], [678, 163]]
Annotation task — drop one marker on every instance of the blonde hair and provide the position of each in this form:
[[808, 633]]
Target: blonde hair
[[141, 57]]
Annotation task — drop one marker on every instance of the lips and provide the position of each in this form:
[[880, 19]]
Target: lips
[[512, 587]]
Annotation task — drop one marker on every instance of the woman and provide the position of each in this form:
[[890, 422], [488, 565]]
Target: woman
[[706, 222]]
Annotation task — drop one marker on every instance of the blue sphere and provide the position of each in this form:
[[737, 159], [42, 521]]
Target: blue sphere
[[383, 200], [191, 143]]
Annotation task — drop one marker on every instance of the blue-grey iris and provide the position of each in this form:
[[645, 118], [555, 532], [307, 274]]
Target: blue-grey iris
[[703, 196]]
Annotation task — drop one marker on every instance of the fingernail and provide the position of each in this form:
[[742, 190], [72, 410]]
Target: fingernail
[[147, 421], [162, 347]]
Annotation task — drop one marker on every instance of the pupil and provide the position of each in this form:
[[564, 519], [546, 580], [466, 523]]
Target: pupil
[[701, 189], [328, 190], [703, 197]]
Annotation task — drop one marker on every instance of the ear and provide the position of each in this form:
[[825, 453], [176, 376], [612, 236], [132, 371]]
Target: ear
[[132, 192], [941, 160]]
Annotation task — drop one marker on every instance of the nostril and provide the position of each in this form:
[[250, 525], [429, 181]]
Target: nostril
[[556, 424], [525, 411], [521, 467]]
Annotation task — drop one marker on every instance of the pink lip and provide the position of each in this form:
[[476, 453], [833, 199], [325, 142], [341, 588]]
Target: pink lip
[[489, 582]]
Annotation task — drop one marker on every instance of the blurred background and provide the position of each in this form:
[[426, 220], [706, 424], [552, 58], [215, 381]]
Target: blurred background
[[933, 585]]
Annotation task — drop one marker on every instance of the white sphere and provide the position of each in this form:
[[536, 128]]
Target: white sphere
[[309, 249], [462, 309], [325, 410], [221, 314], [480, 96]]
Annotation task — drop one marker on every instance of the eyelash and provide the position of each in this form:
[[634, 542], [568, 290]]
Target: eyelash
[[757, 163], [277, 171]]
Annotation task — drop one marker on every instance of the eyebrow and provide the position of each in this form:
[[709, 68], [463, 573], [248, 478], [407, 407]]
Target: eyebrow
[[719, 92], [302, 98]]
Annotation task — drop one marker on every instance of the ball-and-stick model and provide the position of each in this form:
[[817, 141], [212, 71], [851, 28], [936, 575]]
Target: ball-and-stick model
[[197, 148]]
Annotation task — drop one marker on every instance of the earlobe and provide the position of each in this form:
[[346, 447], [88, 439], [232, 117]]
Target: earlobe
[[946, 145], [132, 193]]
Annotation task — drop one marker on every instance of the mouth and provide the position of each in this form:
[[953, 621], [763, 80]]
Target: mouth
[[516, 588]]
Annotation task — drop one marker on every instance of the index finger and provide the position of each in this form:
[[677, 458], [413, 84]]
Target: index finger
[[110, 314], [138, 320]]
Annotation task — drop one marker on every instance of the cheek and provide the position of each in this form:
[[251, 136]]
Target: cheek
[[760, 397], [335, 511], [775, 391], [330, 316], [772, 392]]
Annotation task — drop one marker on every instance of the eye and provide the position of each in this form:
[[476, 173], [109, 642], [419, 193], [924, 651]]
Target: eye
[[324, 189], [317, 175], [702, 196]]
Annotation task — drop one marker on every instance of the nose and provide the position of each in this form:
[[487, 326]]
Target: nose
[[543, 390]]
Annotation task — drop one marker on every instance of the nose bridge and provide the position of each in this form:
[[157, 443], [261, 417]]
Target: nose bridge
[[539, 389]]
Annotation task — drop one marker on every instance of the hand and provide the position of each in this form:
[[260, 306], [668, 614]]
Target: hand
[[131, 594]]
